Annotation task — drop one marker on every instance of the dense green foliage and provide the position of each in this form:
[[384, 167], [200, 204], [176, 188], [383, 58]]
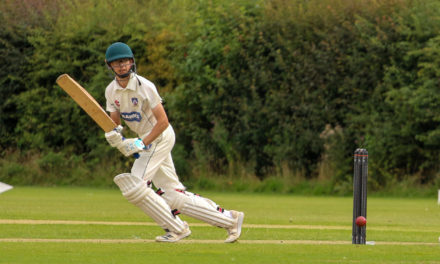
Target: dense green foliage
[[254, 89]]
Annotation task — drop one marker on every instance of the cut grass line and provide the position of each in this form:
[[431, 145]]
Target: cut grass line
[[305, 227], [189, 241], [72, 222]]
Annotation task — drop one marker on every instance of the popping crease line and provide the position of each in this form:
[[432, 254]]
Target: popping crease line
[[109, 223], [78, 222], [192, 241]]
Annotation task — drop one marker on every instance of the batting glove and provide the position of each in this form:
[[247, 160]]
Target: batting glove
[[131, 146], [114, 137]]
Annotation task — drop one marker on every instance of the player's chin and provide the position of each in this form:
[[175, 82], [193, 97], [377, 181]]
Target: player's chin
[[121, 72]]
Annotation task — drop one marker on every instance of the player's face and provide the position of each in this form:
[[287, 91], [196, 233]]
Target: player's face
[[121, 66]]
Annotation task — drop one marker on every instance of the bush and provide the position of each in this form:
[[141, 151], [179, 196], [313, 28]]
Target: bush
[[252, 88]]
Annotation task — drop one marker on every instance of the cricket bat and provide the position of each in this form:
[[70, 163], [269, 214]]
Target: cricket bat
[[86, 102]]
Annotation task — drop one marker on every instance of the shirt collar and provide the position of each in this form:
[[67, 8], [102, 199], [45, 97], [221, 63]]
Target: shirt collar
[[131, 83]]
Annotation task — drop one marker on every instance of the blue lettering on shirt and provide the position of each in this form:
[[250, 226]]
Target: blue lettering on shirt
[[132, 116]]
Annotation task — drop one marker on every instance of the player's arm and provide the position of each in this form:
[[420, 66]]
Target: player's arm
[[162, 124], [116, 117]]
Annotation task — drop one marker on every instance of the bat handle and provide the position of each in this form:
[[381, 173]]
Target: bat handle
[[119, 129]]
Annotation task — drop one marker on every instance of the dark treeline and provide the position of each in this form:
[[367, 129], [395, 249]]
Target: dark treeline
[[261, 88]]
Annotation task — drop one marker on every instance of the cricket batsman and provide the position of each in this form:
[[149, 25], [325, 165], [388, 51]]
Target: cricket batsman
[[136, 100]]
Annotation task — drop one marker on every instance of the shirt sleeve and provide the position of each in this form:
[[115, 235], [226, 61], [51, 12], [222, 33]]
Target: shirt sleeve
[[153, 96]]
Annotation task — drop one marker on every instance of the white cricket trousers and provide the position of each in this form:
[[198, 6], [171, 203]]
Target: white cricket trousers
[[157, 165]]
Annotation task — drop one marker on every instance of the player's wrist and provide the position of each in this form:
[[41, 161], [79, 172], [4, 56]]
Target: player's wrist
[[147, 144]]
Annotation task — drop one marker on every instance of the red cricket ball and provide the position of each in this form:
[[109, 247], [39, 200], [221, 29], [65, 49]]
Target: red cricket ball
[[361, 221]]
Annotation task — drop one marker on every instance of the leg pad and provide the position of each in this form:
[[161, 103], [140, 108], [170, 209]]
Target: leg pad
[[197, 207], [138, 193]]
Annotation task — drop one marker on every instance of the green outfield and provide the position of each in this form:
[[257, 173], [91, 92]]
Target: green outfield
[[83, 225]]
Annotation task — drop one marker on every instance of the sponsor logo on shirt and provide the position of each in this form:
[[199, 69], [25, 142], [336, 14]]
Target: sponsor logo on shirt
[[117, 103], [132, 116]]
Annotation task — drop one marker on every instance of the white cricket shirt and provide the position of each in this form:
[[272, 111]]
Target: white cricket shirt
[[134, 103]]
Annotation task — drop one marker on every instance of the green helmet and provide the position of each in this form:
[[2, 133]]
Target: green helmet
[[118, 50]]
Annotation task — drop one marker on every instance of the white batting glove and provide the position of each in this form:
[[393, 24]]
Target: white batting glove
[[114, 138], [119, 129], [131, 146]]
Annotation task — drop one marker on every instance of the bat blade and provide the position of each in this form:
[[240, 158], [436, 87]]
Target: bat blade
[[86, 102]]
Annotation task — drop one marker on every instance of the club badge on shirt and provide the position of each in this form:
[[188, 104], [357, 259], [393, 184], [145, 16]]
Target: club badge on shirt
[[117, 103], [134, 100]]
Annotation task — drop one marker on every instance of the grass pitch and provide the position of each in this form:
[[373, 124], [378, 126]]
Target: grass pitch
[[82, 225]]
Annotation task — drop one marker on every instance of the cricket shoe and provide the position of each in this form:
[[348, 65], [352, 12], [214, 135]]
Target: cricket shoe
[[235, 231], [173, 236]]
